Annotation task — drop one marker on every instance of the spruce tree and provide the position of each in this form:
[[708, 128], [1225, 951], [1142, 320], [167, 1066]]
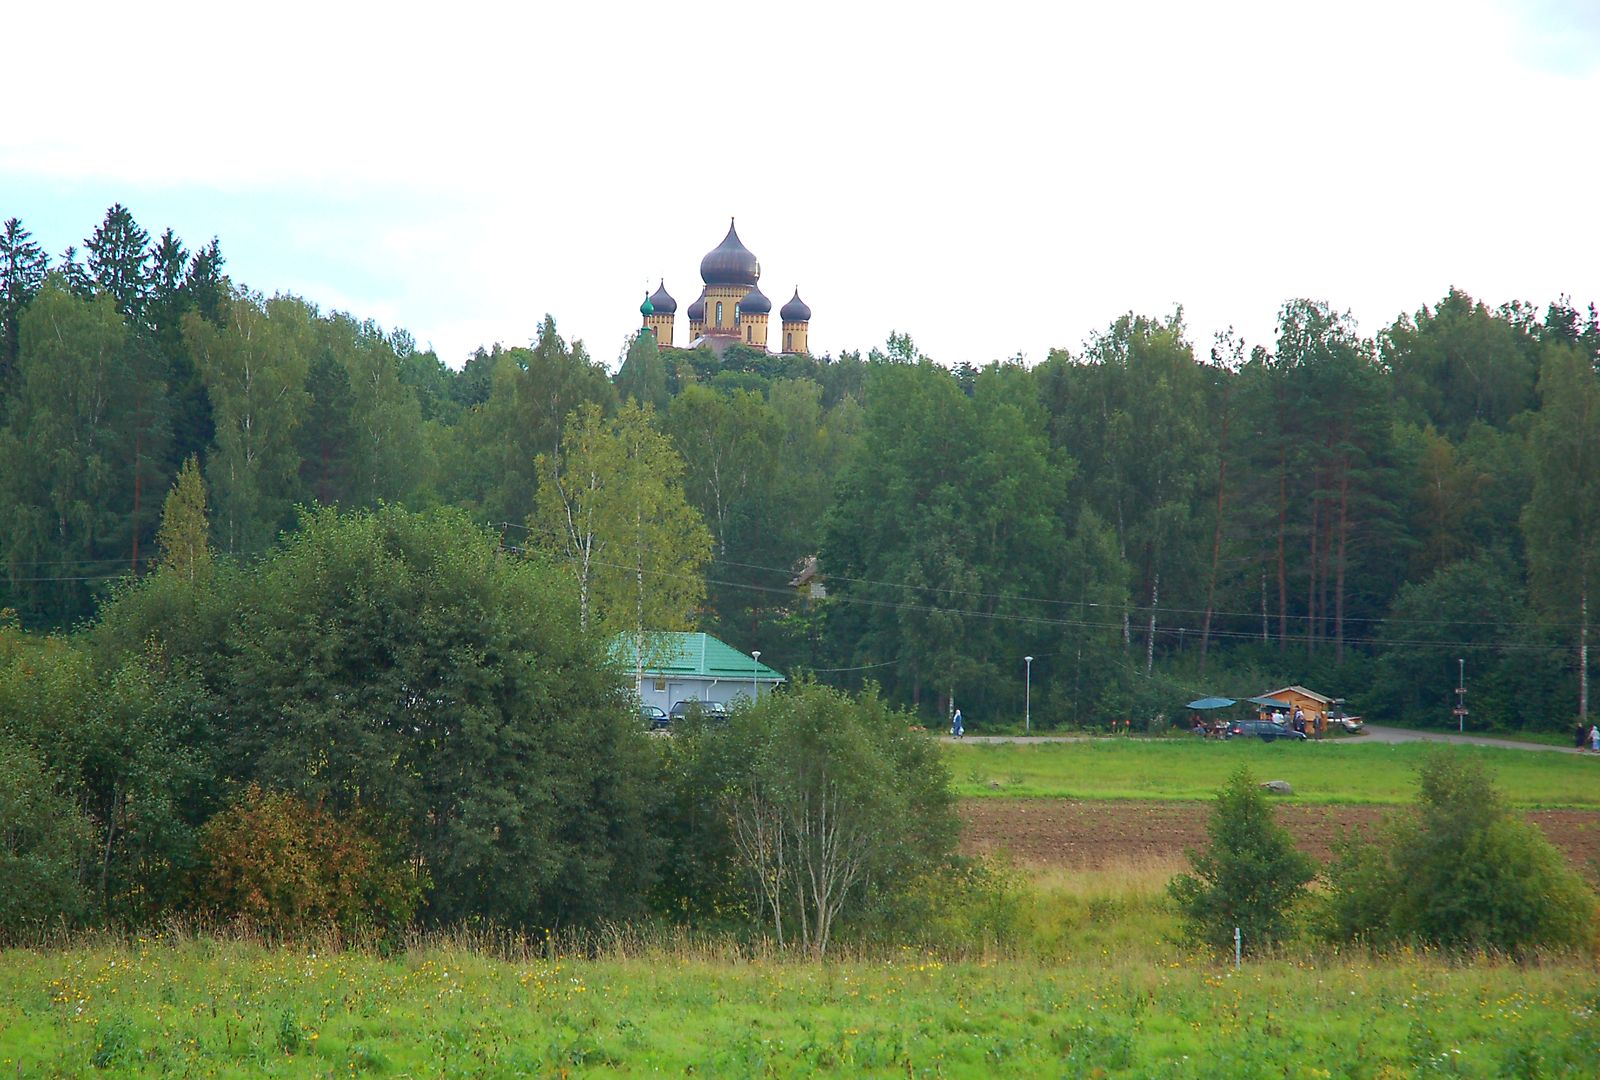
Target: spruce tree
[[119, 261], [23, 265]]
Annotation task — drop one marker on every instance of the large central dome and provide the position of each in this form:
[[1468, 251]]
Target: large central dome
[[730, 263]]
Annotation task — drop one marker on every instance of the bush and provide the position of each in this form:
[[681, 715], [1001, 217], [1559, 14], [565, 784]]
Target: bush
[[1250, 877], [1461, 872], [43, 841], [811, 810], [282, 866]]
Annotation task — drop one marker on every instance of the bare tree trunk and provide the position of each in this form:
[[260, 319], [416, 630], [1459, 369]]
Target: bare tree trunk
[[1150, 637], [1311, 576], [1583, 646], [1216, 539], [1338, 569], [1283, 524]]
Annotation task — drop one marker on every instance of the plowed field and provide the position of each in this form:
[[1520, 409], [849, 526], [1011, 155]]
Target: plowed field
[[1097, 834]]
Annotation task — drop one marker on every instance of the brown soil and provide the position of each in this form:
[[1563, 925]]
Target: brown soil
[[1094, 835]]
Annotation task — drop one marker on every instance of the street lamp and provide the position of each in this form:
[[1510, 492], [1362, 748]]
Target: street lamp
[[755, 669], [1027, 698]]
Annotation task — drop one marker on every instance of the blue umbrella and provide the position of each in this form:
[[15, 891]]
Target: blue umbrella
[[1212, 703]]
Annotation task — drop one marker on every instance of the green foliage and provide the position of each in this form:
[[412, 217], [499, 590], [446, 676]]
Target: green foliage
[[827, 809], [1462, 872], [611, 510], [184, 536], [281, 866], [43, 839], [403, 664], [1250, 877]]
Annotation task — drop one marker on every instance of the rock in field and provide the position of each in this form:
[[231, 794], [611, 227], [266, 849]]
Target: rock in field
[[1278, 787]]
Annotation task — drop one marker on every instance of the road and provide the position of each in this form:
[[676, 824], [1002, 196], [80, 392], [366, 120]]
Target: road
[[1379, 733], [1374, 733]]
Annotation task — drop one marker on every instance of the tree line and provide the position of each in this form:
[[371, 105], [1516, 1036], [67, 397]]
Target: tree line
[[1148, 519]]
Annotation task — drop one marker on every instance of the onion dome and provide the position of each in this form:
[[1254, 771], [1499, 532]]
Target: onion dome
[[730, 262], [662, 302], [697, 310], [647, 309], [795, 310], [755, 302]]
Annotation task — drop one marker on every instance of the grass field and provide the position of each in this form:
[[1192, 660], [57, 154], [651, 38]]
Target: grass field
[[1346, 771], [230, 1010]]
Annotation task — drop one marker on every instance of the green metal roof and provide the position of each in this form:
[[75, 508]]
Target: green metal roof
[[671, 652]]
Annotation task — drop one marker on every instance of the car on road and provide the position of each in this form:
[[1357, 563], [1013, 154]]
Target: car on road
[[1265, 730], [655, 717], [707, 710]]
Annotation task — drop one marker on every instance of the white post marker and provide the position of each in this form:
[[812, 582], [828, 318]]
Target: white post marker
[[1027, 698], [754, 671], [1235, 946]]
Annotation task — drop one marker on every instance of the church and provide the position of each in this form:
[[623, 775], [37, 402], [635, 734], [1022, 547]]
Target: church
[[731, 309]]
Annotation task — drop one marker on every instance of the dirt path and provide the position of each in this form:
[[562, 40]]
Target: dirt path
[[1095, 834]]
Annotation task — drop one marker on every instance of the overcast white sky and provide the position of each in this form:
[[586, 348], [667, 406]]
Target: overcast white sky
[[995, 179]]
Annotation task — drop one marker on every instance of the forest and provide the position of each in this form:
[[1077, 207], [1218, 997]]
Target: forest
[[1149, 518]]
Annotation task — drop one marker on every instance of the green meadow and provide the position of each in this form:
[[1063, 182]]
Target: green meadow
[[206, 1009], [1184, 768]]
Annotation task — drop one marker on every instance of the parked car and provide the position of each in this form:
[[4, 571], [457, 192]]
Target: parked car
[[1265, 730], [707, 710], [655, 717]]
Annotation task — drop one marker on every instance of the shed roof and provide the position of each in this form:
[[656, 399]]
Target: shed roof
[[671, 652], [1301, 691]]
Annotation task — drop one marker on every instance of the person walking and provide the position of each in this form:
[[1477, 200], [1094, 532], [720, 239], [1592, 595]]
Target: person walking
[[1581, 737], [955, 725], [1594, 738]]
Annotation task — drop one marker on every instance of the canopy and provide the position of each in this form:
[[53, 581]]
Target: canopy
[[1271, 703], [1212, 703]]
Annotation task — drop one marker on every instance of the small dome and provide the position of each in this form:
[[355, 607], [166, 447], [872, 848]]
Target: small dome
[[647, 309], [663, 303], [697, 310], [730, 262], [755, 302], [795, 310]]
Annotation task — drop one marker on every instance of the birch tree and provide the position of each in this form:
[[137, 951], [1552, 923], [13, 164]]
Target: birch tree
[[1562, 519], [611, 505]]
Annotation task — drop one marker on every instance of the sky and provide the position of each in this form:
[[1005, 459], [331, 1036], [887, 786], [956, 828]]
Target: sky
[[994, 179]]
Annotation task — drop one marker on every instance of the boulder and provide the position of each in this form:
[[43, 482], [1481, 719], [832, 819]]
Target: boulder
[[1278, 787]]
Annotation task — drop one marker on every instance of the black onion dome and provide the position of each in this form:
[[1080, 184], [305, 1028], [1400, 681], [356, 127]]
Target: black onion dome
[[663, 303], [730, 262], [755, 302], [795, 310], [697, 310]]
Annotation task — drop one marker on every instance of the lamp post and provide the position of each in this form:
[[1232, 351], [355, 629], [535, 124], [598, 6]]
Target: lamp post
[[754, 670], [1027, 697], [1461, 697]]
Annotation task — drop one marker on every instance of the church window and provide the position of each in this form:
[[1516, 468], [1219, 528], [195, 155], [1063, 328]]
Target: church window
[[719, 314], [788, 342]]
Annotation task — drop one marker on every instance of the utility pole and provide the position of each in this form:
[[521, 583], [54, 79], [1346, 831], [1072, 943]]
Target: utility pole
[[1461, 697]]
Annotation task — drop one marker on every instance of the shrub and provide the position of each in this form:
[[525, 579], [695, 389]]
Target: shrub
[[812, 808], [1250, 877], [1461, 872], [282, 866], [43, 839]]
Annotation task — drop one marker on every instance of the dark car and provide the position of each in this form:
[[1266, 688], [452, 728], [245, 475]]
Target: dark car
[[1265, 730], [655, 717], [707, 710]]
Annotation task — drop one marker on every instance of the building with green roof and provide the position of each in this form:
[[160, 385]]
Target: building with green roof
[[680, 666]]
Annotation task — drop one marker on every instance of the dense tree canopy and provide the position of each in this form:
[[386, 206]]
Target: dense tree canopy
[[1148, 517]]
